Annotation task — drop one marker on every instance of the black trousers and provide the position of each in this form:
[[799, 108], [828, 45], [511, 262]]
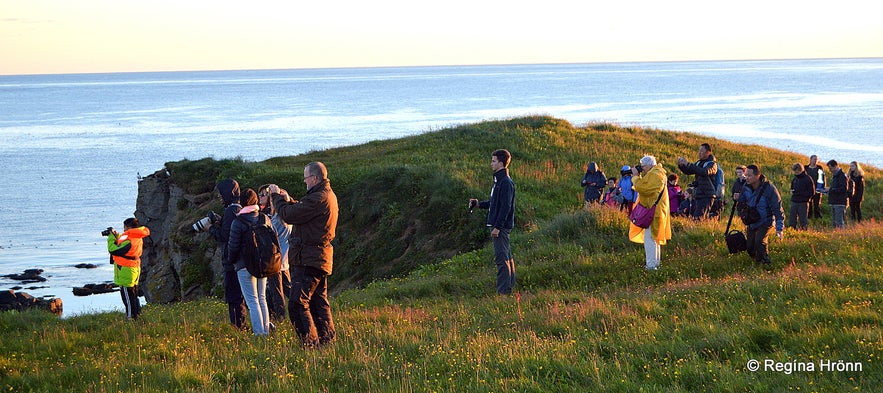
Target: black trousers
[[278, 288], [130, 300], [757, 243], [235, 302], [814, 210], [309, 308]]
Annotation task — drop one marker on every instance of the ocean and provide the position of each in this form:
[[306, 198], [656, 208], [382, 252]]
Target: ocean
[[73, 146]]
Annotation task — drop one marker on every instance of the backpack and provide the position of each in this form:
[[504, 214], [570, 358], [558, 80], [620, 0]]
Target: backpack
[[260, 248], [718, 181]]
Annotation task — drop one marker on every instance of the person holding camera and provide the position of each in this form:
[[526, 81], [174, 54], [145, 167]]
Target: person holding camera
[[278, 285], [125, 254], [650, 182], [761, 206], [228, 189], [704, 188], [311, 261], [501, 219]]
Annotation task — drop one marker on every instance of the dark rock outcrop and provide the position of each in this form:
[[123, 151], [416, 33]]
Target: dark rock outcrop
[[20, 301], [173, 248], [86, 266], [29, 276], [94, 289]]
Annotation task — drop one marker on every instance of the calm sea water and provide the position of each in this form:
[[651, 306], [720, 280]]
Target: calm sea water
[[73, 145]]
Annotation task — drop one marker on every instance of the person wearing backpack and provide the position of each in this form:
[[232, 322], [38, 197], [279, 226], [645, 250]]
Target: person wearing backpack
[[254, 289], [228, 189], [311, 255], [704, 188]]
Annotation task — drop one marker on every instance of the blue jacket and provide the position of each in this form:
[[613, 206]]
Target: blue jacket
[[593, 192], [501, 206], [769, 205], [628, 194]]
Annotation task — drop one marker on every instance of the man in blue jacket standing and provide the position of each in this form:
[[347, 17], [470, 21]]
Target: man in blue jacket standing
[[501, 219]]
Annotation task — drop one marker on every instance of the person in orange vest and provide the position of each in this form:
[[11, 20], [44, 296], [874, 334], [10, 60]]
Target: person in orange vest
[[125, 254]]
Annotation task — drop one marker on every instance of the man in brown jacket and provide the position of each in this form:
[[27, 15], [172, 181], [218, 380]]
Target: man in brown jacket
[[310, 254]]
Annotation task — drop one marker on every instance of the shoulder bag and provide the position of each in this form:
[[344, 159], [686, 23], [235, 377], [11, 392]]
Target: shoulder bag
[[642, 216]]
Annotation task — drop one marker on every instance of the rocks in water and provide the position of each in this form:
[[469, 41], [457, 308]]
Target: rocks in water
[[20, 301], [86, 266], [94, 289], [29, 276]]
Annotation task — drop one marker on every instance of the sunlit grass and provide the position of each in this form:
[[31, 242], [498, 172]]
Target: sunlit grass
[[587, 317]]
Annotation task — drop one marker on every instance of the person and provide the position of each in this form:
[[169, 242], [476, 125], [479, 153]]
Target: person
[[650, 182], [125, 254], [501, 219], [629, 196], [738, 183], [802, 190], [817, 174], [278, 285], [857, 185], [838, 194], [254, 289], [704, 188], [311, 255], [228, 189], [593, 181], [763, 196], [674, 194], [612, 196]]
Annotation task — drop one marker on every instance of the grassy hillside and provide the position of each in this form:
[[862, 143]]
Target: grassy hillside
[[403, 201], [588, 317]]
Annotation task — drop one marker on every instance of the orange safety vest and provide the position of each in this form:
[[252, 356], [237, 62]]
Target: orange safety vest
[[132, 257]]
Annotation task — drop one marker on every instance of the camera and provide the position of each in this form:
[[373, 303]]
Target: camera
[[639, 168], [207, 221], [472, 205], [107, 231]]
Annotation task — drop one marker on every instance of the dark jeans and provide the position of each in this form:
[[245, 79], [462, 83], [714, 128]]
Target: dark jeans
[[756, 240], [855, 210], [701, 207], [235, 302], [797, 215], [505, 263], [814, 210], [278, 286], [308, 306], [130, 300]]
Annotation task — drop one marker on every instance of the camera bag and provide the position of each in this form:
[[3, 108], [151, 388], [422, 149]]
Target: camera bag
[[735, 239]]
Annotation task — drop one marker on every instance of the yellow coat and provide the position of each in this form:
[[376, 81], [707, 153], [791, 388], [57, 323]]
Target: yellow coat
[[649, 185]]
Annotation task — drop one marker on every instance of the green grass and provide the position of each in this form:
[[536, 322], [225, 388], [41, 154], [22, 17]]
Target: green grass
[[588, 317]]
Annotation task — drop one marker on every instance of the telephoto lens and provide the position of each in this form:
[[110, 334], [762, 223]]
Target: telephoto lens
[[203, 223]]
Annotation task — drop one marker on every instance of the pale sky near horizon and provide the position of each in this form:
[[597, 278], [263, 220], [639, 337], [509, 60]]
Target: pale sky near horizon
[[85, 36]]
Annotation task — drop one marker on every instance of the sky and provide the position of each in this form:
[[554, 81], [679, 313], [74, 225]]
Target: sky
[[90, 36]]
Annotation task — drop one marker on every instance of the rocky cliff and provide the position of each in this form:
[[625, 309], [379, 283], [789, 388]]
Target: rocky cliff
[[177, 262]]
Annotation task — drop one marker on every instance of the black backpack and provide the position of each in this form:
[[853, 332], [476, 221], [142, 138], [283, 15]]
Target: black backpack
[[260, 248]]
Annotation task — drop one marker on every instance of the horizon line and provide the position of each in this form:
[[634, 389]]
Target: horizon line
[[442, 65]]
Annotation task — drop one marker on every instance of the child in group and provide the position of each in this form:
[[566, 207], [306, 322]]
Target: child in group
[[612, 195], [629, 195], [675, 195]]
